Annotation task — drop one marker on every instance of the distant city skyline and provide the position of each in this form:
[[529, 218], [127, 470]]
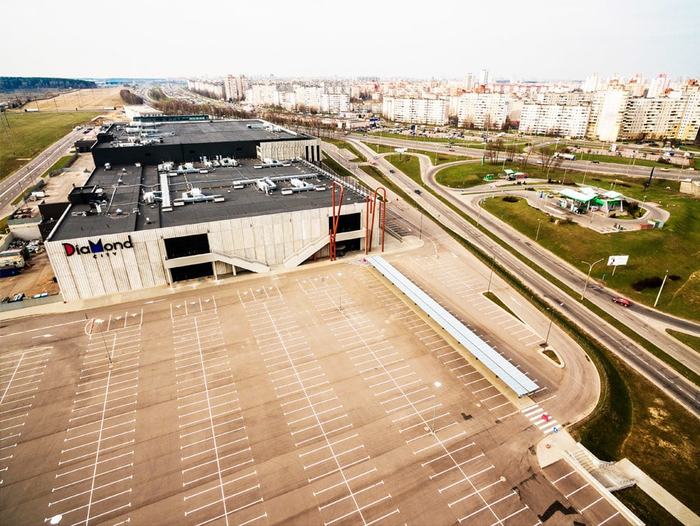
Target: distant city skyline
[[541, 41]]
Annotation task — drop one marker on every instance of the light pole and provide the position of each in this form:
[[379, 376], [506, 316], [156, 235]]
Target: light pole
[[661, 288], [437, 384], [590, 269], [539, 224], [493, 261], [549, 328]]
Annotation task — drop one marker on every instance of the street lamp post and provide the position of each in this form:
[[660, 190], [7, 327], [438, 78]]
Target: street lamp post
[[588, 276], [493, 261], [437, 384], [661, 288], [549, 328], [539, 224]]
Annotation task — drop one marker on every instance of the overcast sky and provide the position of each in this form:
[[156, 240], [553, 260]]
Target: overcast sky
[[521, 39]]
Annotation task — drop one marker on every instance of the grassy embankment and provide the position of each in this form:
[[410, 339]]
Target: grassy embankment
[[632, 417], [675, 248], [24, 135], [435, 157]]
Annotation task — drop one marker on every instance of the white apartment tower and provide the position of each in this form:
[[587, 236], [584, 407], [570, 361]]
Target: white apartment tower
[[234, 87], [416, 111], [555, 119], [658, 86], [484, 77], [483, 110]]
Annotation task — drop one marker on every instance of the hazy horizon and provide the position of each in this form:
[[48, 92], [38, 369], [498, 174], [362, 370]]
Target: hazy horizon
[[537, 41]]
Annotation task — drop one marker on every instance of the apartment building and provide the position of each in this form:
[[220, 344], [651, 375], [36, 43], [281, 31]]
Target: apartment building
[[214, 89], [234, 87], [416, 111], [555, 119], [483, 110], [676, 116]]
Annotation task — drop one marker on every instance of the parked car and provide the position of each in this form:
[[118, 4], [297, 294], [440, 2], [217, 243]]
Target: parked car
[[622, 301], [6, 299]]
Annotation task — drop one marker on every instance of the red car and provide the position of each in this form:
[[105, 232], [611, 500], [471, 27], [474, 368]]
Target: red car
[[622, 301]]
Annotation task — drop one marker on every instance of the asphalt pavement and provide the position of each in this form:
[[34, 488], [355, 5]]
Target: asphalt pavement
[[663, 376]]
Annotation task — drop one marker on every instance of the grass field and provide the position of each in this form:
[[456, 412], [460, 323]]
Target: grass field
[[630, 410], [408, 164], [344, 144], [467, 142], [691, 341], [435, 157], [466, 175], [80, 100], [30, 133], [620, 160], [676, 247]]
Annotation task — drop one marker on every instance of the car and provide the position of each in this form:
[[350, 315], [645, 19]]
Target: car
[[6, 299], [40, 295], [622, 301], [417, 190], [392, 171], [595, 162]]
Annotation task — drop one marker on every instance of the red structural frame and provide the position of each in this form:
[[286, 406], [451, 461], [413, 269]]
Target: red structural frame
[[336, 217], [372, 201]]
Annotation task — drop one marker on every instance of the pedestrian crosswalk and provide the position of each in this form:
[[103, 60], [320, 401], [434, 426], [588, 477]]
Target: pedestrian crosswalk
[[541, 419]]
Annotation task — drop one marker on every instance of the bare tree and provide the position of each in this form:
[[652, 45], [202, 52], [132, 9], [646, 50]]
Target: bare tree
[[548, 160]]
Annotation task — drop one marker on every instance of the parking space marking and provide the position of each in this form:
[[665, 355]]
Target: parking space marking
[[218, 468], [453, 461], [96, 463], [21, 373], [334, 459]]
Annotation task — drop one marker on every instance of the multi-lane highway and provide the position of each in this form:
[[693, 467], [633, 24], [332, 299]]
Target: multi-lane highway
[[658, 372], [582, 166], [13, 185], [649, 323]]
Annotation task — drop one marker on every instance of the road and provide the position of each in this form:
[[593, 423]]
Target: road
[[647, 322], [13, 185], [660, 374], [582, 166]]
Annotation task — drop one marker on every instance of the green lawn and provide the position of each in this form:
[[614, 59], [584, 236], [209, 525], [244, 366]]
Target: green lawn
[[676, 247], [466, 175], [435, 157], [419, 138], [30, 133], [344, 144], [691, 341], [620, 160], [632, 417], [408, 164]]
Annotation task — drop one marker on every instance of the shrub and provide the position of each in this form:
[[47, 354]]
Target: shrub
[[510, 199]]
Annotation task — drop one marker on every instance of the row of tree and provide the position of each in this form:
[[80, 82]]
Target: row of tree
[[39, 83], [130, 98]]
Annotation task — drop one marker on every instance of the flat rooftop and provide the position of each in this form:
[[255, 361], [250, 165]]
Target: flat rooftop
[[206, 132], [123, 189]]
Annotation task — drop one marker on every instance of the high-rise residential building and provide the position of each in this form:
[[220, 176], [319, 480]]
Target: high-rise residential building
[[592, 83], [676, 116], [607, 111], [658, 86], [469, 81], [335, 102], [263, 95], [234, 87], [555, 119], [416, 111], [213, 89], [483, 110], [484, 77]]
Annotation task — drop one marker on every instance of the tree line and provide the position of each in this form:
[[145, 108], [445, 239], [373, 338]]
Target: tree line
[[34, 83], [130, 98]]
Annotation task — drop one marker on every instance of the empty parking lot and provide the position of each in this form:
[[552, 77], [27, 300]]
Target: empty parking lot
[[317, 397]]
